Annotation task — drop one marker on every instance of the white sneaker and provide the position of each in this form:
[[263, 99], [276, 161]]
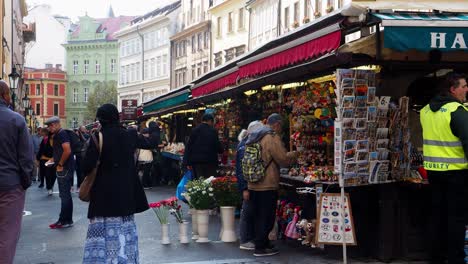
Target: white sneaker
[[247, 246], [49, 192]]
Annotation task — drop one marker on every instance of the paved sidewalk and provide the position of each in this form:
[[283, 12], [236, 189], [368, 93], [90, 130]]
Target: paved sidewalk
[[39, 244]]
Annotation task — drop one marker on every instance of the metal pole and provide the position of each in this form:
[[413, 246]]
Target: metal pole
[[343, 231]]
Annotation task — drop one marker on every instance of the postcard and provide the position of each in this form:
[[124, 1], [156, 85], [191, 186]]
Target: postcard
[[361, 123], [348, 101], [349, 134], [382, 133], [371, 94], [362, 156], [371, 113], [348, 112], [363, 145], [361, 101], [373, 156], [350, 155], [349, 122], [361, 134], [349, 144], [382, 143], [361, 112]]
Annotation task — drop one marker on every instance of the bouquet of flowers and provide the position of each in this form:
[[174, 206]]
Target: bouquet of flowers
[[174, 208], [200, 194], [161, 210], [225, 191]]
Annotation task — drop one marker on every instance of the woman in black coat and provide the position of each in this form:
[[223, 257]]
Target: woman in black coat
[[44, 154], [117, 194]]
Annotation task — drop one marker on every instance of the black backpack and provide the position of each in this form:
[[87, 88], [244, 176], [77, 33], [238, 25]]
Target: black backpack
[[76, 143]]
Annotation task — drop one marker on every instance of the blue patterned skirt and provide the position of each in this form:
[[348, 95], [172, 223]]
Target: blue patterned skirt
[[111, 240]]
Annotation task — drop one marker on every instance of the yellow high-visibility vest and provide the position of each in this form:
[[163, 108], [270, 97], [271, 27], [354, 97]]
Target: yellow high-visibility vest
[[442, 150]]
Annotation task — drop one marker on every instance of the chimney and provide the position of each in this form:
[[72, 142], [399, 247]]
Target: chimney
[[49, 65], [58, 66]]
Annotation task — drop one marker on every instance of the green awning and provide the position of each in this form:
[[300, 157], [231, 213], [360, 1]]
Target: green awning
[[172, 99], [424, 31]]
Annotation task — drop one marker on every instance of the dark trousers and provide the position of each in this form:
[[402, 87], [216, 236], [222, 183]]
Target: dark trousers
[[47, 173], [264, 206], [79, 173], [64, 179], [449, 215], [146, 180], [204, 170], [247, 230], [11, 212]]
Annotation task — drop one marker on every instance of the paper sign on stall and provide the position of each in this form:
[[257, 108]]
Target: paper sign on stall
[[330, 220]]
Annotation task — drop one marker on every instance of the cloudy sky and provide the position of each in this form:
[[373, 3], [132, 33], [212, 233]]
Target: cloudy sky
[[99, 8]]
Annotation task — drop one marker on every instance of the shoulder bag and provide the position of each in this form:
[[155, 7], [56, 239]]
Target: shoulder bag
[[87, 184]]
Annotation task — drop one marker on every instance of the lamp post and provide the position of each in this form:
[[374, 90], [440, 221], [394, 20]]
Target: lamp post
[[14, 78]]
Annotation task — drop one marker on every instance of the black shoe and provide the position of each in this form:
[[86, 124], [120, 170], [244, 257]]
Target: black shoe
[[265, 252], [40, 186]]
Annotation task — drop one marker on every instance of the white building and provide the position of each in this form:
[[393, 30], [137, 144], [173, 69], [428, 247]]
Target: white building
[[191, 47], [144, 54], [264, 22], [230, 24], [51, 33]]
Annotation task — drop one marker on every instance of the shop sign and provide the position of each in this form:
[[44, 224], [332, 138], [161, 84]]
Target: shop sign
[[129, 109], [426, 38]]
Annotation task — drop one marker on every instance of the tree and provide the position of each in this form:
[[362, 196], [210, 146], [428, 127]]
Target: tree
[[102, 94]]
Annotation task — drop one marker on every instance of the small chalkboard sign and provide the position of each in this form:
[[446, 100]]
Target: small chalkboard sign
[[330, 220]]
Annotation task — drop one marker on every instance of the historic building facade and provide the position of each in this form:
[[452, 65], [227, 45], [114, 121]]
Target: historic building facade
[[46, 89], [144, 54], [191, 47], [92, 61], [230, 22]]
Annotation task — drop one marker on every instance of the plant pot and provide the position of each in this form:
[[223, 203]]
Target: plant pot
[[193, 212], [183, 229], [203, 219], [165, 234], [228, 224]]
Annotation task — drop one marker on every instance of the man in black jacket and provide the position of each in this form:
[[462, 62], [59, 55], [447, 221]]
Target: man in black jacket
[[203, 147]]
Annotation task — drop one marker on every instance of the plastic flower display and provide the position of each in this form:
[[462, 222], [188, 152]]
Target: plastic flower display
[[201, 194], [226, 191], [161, 210]]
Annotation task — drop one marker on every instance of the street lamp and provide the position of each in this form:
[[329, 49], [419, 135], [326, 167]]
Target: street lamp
[[30, 111], [14, 78], [26, 102]]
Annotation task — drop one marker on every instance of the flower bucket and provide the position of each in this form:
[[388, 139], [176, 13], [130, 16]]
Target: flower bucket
[[203, 219], [165, 234], [228, 224], [183, 229], [193, 212]]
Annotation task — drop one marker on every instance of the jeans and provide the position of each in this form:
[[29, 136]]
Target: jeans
[[64, 179], [449, 208], [247, 230], [11, 212], [264, 206]]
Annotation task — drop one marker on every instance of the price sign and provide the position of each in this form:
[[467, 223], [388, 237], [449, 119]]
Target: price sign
[[384, 101]]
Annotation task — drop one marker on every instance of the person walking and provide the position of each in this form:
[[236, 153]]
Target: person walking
[[117, 193], [84, 136], [445, 147], [45, 153], [145, 162], [16, 165], [247, 214], [62, 160], [36, 140], [264, 193], [203, 147]]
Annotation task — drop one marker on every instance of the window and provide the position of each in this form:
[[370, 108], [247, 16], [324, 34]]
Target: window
[[200, 40], [184, 47], [98, 67], [158, 66], [75, 95], [183, 77], [218, 29], [75, 67], [199, 68], [56, 90], [38, 89], [158, 37], [56, 109], [205, 67], [241, 18], [193, 72], [194, 44], [86, 95], [230, 18], [138, 71], [145, 70], [132, 72], [26, 88], [307, 9], [153, 68], [112, 66], [164, 65], [318, 7], [296, 12], [86, 66], [38, 109], [122, 74], [286, 17], [207, 39]]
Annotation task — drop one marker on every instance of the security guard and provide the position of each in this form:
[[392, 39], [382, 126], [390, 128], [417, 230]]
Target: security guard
[[445, 147]]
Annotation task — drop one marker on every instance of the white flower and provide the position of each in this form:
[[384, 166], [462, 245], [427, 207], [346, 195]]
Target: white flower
[[210, 189], [210, 194], [204, 192]]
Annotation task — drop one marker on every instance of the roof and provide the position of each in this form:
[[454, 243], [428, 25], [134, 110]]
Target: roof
[[50, 70], [159, 11], [110, 25]]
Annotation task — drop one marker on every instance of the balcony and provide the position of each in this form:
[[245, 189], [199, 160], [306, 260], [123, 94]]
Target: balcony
[[29, 32]]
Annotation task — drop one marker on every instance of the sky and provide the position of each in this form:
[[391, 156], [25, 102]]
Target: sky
[[99, 8]]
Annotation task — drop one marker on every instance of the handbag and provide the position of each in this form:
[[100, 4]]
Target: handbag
[[181, 186], [87, 184]]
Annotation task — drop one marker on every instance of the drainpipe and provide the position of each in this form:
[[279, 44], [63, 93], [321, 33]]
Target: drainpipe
[[142, 59], [278, 23]]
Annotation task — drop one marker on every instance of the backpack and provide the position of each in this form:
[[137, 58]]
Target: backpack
[[253, 166], [76, 144]]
